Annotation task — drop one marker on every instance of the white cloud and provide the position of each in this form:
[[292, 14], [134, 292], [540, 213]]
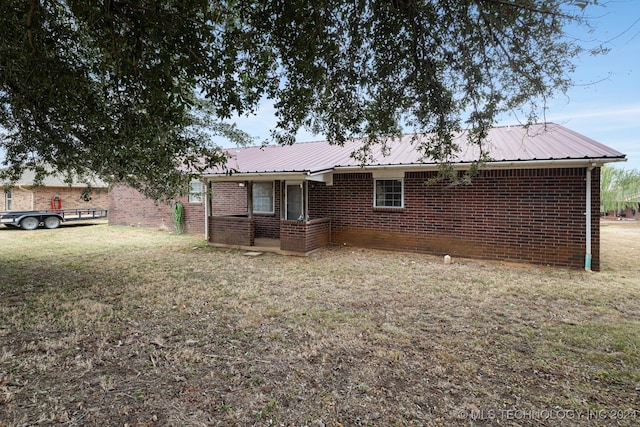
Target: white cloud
[[629, 114]]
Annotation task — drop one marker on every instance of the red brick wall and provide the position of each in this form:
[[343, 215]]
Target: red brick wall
[[129, 207], [232, 230], [304, 237], [292, 236], [532, 215], [193, 215], [268, 225], [529, 215], [228, 198], [318, 233]]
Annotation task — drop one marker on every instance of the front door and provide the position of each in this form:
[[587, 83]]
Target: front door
[[295, 201]]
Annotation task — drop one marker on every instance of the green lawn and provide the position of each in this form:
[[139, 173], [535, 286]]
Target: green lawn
[[125, 326]]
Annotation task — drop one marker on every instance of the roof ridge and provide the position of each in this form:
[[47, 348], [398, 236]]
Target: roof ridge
[[403, 135]]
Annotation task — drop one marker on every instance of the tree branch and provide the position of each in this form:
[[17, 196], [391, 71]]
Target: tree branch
[[32, 11], [523, 7]]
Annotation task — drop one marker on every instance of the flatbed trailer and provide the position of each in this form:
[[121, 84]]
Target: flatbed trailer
[[30, 220]]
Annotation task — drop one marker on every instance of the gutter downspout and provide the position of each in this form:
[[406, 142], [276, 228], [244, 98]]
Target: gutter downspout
[[587, 256]]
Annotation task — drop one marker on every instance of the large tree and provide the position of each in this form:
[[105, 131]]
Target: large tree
[[619, 189], [135, 90]]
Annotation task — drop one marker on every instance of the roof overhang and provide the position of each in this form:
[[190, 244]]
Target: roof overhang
[[388, 171], [552, 163], [256, 176], [325, 175]]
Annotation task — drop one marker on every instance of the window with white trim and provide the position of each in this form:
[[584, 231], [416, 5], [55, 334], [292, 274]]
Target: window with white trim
[[388, 193], [195, 192], [7, 199], [294, 200], [263, 197]]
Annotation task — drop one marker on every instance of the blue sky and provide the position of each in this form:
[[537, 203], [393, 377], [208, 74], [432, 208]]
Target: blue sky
[[605, 103]]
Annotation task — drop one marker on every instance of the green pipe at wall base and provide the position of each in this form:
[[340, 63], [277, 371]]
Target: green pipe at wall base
[[587, 262]]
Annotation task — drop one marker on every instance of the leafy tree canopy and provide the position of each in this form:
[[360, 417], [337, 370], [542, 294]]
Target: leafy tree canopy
[[135, 90], [619, 188]]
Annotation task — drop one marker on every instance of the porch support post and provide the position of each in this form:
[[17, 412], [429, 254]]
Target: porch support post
[[305, 193], [283, 200], [249, 187]]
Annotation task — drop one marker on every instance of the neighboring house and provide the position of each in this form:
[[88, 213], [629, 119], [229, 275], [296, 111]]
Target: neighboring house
[[536, 201], [629, 212], [54, 193], [631, 206], [630, 209]]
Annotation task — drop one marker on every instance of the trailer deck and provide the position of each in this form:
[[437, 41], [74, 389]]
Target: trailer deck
[[30, 220]]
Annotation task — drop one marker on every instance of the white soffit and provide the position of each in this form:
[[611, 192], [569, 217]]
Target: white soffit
[[385, 173]]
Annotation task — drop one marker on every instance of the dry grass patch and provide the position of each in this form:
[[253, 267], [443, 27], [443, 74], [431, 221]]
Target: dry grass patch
[[114, 326]]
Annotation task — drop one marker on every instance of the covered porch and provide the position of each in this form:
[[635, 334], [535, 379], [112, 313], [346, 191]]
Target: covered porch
[[276, 215], [296, 238]]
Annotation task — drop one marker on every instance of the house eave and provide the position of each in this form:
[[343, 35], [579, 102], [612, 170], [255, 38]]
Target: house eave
[[552, 163], [506, 164], [326, 174], [259, 176]]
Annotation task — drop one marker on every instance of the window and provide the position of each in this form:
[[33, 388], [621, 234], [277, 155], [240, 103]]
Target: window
[[7, 200], [195, 192], [263, 197], [295, 201], [388, 193]]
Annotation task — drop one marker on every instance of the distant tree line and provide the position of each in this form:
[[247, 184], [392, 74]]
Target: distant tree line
[[619, 189]]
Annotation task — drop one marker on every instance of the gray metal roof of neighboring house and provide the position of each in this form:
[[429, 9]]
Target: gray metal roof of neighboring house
[[540, 142], [57, 180]]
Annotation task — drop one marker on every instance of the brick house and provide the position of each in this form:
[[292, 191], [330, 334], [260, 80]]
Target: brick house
[[54, 193], [536, 201]]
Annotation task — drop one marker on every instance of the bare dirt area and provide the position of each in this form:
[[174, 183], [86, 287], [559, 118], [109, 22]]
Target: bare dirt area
[[114, 326]]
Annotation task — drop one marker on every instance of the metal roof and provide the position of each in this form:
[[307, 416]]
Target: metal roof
[[509, 144], [57, 180]]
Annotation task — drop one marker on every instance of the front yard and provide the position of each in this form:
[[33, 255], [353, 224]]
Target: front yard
[[122, 326]]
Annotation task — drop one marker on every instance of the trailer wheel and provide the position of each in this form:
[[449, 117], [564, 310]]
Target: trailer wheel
[[52, 222], [29, 223]]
